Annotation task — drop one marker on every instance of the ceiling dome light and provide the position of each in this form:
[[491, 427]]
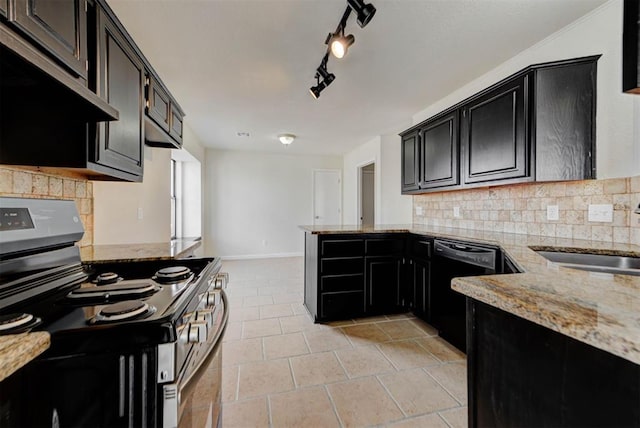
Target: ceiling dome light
[[364, 11], [339, 44], [286, 139]]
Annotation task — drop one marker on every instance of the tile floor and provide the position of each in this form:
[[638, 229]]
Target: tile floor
[[282, 370]]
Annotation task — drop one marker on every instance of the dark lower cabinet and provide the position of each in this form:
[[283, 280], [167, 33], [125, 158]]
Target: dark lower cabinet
[[120, 144], [525, 375], [383, 279], [60, 27], [419, 297]]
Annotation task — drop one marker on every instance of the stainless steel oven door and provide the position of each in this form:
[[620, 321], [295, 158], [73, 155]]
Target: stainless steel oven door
[[195, 399]]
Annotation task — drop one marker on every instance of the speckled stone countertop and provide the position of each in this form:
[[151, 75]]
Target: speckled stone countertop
[[602, 310], [16, 350], [175, 249]]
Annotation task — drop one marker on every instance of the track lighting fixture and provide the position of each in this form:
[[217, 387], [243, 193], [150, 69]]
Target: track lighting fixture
[[338, 43]]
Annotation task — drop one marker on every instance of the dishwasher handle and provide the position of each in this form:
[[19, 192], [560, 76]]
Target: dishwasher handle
[[478, 256]]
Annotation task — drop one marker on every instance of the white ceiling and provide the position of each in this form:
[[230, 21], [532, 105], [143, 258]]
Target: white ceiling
[[247, 65]]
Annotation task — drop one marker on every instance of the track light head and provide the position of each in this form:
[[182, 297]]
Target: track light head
[[327, 78], [339, 44], [364, 11]]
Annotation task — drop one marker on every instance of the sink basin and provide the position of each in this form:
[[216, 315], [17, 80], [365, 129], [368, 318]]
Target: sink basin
[[621, 265]]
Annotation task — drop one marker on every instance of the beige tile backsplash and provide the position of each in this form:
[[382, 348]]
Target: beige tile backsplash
[[522, 208], [46, 184]]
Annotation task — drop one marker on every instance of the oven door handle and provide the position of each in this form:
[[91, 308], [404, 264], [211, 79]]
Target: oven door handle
[[171, 408]]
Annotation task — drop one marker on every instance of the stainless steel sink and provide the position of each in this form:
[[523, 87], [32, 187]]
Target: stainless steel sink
[[621, 265]]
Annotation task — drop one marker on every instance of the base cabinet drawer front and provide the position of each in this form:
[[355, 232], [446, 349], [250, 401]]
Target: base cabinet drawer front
[[419, 248], [341, 247], [342, 305], [345, 265], [342, 283], [384, 247]]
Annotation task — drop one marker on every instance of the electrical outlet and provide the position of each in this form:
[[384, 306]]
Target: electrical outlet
[[419, 211], [140, 213], [456, 212], [602, 213], [552, 212]]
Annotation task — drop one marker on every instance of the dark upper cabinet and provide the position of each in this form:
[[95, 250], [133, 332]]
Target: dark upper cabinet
[[121, 77], [494, 134], [564, 130], [439, 148], [410, 162], [58, 26], [631, 47], [163, 125]]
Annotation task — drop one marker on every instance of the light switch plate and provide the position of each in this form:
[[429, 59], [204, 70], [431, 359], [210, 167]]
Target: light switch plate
[[419, 211], [456, 212], [552, 212], [602, 213]]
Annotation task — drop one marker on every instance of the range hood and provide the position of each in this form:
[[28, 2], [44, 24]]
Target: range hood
[[26, 72]]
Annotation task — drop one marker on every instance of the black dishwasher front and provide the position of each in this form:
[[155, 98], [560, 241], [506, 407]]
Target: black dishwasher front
[[454, 259]]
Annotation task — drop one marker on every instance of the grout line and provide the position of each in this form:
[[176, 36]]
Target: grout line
[[269, 412], [237, 393], [444, 387], [346, 372], [333, 405], [384, 387]]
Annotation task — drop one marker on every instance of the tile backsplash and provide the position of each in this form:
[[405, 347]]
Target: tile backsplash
[[49, 184], [522, 208]]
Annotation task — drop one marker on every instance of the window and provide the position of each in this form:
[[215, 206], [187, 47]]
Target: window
[[174, 197]]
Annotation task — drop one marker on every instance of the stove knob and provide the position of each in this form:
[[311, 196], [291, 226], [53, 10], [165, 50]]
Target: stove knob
[[205, 315], [212, 298], [197, 332]]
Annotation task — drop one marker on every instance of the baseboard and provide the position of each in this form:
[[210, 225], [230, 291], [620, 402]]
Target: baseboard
[[262, 256]]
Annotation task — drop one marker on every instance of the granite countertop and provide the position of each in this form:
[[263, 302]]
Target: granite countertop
[[175, 249], [16, 350], [602, 310]]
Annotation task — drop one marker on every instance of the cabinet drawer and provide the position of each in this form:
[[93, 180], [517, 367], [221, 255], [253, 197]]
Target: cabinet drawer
[[347, 265], [384, 247], [342, 247], [420, 248], [158, 104], [349, 304], [342, 283]]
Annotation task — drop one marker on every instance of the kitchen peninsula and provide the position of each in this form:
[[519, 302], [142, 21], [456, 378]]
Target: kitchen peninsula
[[582, 328]]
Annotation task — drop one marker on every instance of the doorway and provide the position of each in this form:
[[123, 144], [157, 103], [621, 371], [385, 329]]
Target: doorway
[[327, 197], [366, 203]]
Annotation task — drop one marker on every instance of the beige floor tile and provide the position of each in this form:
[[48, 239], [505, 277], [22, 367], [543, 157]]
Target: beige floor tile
[[441, 349], [339, 323], [453, 377], [260, 328], [257, 301], [428, 329], [248, 413], [426, 421], [363, 361], [233, 331], [407, 315], [244, 314], [275, 311], [401, 329], [407, 354], [317, 369], [229, 383], [242, 351], [286, 345], [264, 378], [368, 320], [327, 340], [303, 408], [288, 298], [416, 392], [365, 334], [297, 323], [241, 291], [457, 418], [299, 309], [362, 402], [272, 290]]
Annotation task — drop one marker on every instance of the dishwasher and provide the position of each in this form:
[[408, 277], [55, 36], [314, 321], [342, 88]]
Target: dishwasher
[[452, 259]]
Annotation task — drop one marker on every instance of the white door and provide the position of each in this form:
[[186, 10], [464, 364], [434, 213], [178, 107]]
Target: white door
[[327, 197]]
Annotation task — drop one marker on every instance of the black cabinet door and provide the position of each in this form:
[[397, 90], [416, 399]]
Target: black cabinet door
[[494, 134], [59, 26], [631, 47], [420, 288], [439, 152], [410, 162], [176, 123], [383, 280], [158, 104], [121, 82], [565, 118]]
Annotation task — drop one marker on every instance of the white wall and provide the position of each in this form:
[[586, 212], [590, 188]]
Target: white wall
[[116, 205], [255, 202], [599, 32], [391, 207]]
